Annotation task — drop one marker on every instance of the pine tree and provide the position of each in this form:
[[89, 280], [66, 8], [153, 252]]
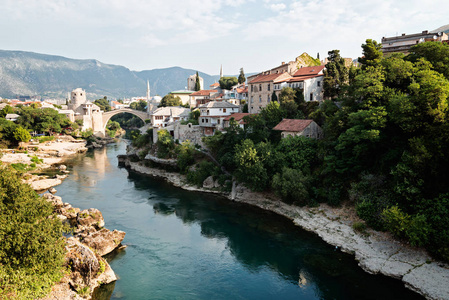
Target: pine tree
[[242, 77]]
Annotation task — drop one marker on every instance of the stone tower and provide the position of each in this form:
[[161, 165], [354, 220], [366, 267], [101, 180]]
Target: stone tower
[[191, 81], [77, 99]]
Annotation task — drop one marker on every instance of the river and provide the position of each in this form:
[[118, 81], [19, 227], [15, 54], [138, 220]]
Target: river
[[187, 245]]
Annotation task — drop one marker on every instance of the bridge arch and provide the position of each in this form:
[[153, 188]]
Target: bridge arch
[[109, 114]]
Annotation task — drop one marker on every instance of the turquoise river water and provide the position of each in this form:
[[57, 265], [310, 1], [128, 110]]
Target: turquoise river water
[[186, 245]]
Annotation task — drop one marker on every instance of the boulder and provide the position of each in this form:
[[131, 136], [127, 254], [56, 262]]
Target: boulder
[[70, 212], [52, 190], [62, 167], [88, 269], [90, 217], [103, 241], [208, 183], [56, 201]]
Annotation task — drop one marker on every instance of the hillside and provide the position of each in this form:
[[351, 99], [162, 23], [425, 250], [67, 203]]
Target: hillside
[[28, 73]]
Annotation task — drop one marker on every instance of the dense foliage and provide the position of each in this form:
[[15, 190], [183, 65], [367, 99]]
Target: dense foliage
[[103, 104], [386, 131], [170, 100], [31, 243], [227, 83]]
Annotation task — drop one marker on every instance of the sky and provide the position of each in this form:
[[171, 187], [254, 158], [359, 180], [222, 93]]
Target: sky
[[255, 35]]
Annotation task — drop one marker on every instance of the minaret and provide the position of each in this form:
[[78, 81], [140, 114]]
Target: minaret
[[221, 71], [148, 90]]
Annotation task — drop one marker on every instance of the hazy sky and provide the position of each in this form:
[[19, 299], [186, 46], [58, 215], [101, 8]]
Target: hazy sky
[[203, 34]]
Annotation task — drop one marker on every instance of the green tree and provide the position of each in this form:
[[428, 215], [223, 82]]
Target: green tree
[[292, 186], [336, 75], [32, 246], [287, 99], [197, 82], [170, 100], [139, 105], [6, 110], [165, 144], [103, 104], [21, 134], [242, 77], [227, 83], [434, 52], [274, 97], [249, 167], [372, 54]]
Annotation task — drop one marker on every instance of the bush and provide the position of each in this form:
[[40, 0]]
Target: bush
[[185, 153], [165, 144], [32, 246], [402, 225], [203, 170], [371, 198], [292, 186], [44, 139]]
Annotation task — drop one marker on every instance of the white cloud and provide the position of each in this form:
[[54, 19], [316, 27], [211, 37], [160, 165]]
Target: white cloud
[[277, 6]]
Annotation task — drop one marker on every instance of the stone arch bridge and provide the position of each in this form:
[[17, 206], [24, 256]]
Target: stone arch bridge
[[106, 116]]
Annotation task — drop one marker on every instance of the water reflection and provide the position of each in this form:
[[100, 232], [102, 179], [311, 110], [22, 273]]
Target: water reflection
[[260, 240], [184, 245]]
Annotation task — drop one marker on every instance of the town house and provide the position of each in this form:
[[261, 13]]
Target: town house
[[212, 115]]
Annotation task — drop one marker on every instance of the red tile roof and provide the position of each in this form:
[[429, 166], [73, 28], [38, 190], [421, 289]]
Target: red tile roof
[[214, 84], [307, 71], [242, 90], [292, 125], [236, 116], [302, 78], [203, 93], [265, 78]]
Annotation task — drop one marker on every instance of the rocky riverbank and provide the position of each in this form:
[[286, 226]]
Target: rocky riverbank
[[86, 268], [376, 252]]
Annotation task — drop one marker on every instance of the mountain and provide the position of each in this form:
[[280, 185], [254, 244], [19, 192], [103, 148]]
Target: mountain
[[444, 29], [28, 74]]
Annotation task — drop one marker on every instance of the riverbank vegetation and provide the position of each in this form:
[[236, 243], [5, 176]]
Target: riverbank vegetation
[[32, 247], [386, 135], [35, 120]]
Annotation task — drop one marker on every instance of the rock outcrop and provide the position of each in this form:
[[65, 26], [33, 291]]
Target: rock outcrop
[[45, 184], [88, 270], [91, 217], [103, 241]]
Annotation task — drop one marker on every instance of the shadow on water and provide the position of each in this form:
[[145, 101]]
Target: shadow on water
[[187, 245], [259, 239]]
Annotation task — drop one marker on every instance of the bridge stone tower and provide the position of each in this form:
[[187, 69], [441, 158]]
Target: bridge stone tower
[[77, 99]]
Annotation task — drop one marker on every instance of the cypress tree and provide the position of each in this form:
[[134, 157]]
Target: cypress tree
[[197, 83]]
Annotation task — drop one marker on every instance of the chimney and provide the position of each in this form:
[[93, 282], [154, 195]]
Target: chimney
[[403, 34], [425, 32]]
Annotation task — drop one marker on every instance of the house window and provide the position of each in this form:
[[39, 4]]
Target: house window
[[311, 96], [318, 83], [268, 88], [268, 98], [224, 110], [251, 88], [260, 98], [207, 120], [218, 121], [260, 87]]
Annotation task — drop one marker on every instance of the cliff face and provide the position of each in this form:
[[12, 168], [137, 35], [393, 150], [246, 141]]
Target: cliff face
[[28, 74]]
